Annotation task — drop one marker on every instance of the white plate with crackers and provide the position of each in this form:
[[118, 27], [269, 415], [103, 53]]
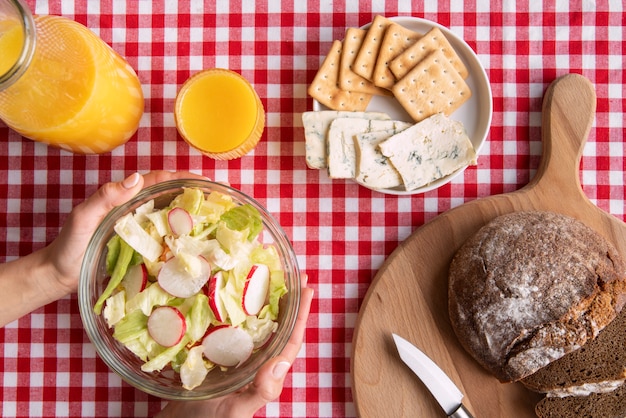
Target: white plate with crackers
[[384, 53]]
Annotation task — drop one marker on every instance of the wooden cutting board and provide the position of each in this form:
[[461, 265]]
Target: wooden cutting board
[[408, 296]]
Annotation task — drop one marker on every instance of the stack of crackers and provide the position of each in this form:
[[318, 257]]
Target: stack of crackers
[[422, 71]]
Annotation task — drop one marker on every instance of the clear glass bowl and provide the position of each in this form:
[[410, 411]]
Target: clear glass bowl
[[166, 384]]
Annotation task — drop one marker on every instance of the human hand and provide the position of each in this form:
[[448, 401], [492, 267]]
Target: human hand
[[52, 272], [266, 387], [65, 253]]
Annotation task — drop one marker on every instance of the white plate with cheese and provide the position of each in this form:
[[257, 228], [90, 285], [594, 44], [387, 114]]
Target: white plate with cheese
[[475, 114]]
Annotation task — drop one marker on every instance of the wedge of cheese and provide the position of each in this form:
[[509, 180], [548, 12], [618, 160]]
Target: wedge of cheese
[[374, 170], [429, 150], [341, 147], [316, 124]]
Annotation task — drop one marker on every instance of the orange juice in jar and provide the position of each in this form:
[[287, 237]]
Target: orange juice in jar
[[64, 86]]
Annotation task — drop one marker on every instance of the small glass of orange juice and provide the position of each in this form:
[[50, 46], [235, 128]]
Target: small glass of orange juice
[[218, 112], [62, 85]]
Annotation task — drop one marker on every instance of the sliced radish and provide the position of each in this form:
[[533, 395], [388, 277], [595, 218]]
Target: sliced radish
[[216, 282], [255, 289], [135, 280], [212, 328], [176, 278], [166, 325], [180, 221], [228, 346]]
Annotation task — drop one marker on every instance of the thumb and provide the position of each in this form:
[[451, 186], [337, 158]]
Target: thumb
[[69, 246], [110, 195], [268, 382], [266, 387]]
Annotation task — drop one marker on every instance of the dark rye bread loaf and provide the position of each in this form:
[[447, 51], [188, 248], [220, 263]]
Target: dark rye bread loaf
[[529, 287], [599, 365], [596, 405]]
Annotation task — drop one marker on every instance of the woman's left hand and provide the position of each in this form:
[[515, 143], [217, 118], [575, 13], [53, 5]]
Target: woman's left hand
[[66, 252]]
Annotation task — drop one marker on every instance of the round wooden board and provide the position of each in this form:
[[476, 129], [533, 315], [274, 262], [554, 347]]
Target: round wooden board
[[408, 296]]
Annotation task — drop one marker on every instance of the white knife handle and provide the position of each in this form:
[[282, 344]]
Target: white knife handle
[[461, 412]]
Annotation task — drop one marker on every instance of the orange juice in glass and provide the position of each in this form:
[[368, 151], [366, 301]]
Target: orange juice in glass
[[218, 112], [64, 86]]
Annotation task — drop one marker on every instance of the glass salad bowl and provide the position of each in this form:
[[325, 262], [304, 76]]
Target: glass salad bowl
[[153, 306]]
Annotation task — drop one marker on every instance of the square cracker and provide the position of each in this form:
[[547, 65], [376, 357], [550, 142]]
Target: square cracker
[[432, 86], [397, 38], [348, 79], [325, 88], [368, 53], [431, 41]]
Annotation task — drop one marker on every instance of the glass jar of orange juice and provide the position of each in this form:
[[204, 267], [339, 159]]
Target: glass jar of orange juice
[[62, 85]]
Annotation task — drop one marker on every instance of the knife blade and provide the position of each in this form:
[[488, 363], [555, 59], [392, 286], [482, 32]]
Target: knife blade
[[445, 392]]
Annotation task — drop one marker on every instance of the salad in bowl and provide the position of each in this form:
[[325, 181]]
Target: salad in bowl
[[187, 290]]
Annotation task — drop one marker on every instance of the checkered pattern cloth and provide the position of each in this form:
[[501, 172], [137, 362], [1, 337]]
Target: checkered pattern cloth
[[341, 231]]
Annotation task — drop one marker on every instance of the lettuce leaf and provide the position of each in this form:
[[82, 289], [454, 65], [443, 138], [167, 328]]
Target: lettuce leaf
[[159, 220], [114, 308], [232, 294], [113, 251], [266, 255], [277, 290], [190, 199], [132, 331], [199, 317], [121, 265], [215, 205], [259, 328], [194, 369], [137, 237], [151, 296], [244, 218], [165, 357]]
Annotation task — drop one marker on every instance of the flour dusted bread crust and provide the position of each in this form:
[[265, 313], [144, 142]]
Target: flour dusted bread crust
[[530, 287]]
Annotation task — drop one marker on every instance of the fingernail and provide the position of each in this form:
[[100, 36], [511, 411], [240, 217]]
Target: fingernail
[[281, 369], [131, 181]]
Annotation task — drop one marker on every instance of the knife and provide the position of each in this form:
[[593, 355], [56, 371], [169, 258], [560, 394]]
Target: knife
[[438, 383]]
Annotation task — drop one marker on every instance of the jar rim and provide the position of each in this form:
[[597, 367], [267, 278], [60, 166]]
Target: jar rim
[[25, 17]]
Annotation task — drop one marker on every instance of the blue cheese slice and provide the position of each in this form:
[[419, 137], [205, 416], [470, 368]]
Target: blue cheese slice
[[341, 147], [374, 170], [316, 124], [429, 150]]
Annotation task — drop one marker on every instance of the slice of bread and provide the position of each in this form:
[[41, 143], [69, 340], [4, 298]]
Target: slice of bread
[[598, 365], [596, 405], [530, 287]]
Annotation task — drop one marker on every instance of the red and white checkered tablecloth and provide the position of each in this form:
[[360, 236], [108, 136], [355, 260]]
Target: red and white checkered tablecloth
[[341, 232]]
